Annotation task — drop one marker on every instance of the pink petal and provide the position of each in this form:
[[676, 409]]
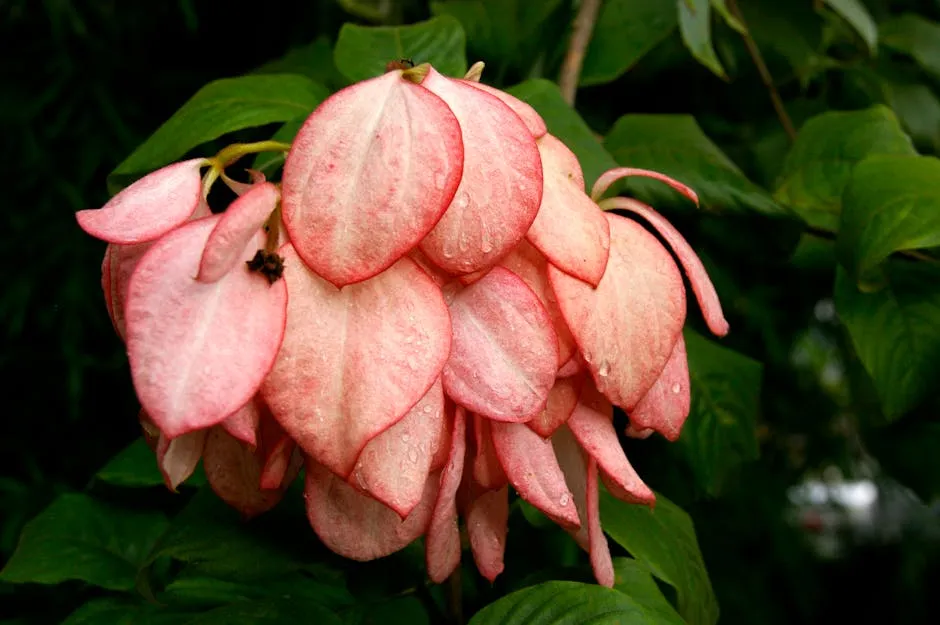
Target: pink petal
[[666, 405], [149, 208], [487, 525], [394, 465], [609, 177], [532, 120], [573, 463], [601, 562], [561, 402], [234, 473], [528, 263], [355, 361], [571, 367], [633, 432], [240, 222], [370, 173], [593, 427], [530, 465], [437, 274], [243, 424], [356, 526], [570, 229], [501, 187], [627, 327], [123, 260], [487, 471], [505, 353], [106, 286], [701, 284], [279, 452], [178, 457], [442, 543], [241, 188], [198, 352], [440, 450]]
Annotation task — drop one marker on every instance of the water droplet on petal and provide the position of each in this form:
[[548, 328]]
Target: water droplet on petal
[[405, 438], [676, 388], [413, 455], [426, 409], [604, 369], [588, 358], [564, 500]]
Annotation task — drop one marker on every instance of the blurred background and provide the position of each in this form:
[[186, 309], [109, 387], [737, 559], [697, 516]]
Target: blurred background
[[834, 522]]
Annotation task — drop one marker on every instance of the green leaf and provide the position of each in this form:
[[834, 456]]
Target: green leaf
[[625, 32], [635, 580], [907, 451], [695, 26], [567, 603], [314, 60], [108, 611], [397, 611], [566, 124], [827, 149], [918, 108], [373, 10], [221, 107], [663, 540], [891, 203], [790, 30], [676, 146], [134, 466], [895, 332], [915, 36], [196, 590], [269, 162], [858, 17], [270, 612], [362, 52], [721, 431], [79, 538], [722, 7]]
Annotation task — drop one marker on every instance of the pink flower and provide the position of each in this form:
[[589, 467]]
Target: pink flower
[[441, 312]]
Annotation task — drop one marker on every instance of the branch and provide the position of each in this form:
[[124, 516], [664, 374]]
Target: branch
[[580, 38], [765, 76]]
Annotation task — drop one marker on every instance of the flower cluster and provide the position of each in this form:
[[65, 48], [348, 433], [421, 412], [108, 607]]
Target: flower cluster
[[427, 309]]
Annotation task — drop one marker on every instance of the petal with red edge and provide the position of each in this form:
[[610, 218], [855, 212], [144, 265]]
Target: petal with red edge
[[529, 264], [505, 352], [570, 229], [356, 526], [487, 471], [233, 470], [123, 260], [532, 120], [487, 525], [149, 208], [198, 352], [369, 174], [609, 177], [437, 274], [592, 425], [240, 222], [701, 284], [627, 326], [178, 457], [561, 402], [354, 361], [243, 424], [501, 187], [532, 469], [666, 405], [394, 465], [442, 543]]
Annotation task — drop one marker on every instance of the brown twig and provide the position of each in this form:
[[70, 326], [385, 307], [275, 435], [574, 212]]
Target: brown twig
[[580, 38], [765, 76]]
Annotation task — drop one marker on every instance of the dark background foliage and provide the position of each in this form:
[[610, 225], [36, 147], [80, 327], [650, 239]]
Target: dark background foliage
[[85, 82]]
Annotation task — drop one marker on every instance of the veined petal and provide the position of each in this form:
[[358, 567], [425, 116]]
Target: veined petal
[[369, 174], [355, 361], [233, 470], [609, 177], [501, 187], [178, 457], [505, 352], [487, 525], [701, 284], [637, 309], [562, 400], [487, 471], [442, 543], [149, 208], [394, 465], [570, 229], [532, 120], [199, 352], [666, 405], [356, 526]]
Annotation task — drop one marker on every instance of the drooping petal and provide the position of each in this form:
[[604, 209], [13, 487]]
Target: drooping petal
[[280, 460], [701, 284], [240, 222], [532, 469], [561, 402], [394, 465], [123, 260], [627, 326], [609, 177], [243, 423], [199, 352], [487, 525], [440, 450], [529, 264], [501, 187], [437, 274], [178, 457], [149, 208], [487, 471], [233, 470], [505, 352], [571, 367], [570, 229], [666, 405], [369, 174], [601, 562], [592, 425], [354, 361], [442, 543], [357, 526], [532, 120]]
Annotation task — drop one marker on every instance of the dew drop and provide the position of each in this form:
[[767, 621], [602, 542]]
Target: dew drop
[[405, 438], [588, 358], [426, 409], [604, 369], [413, 455], [461, 201], [676, 388], [564, 500]]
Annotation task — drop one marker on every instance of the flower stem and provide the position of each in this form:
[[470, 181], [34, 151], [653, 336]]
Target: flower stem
[[232, 153], [455, 597], [580, 38]]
